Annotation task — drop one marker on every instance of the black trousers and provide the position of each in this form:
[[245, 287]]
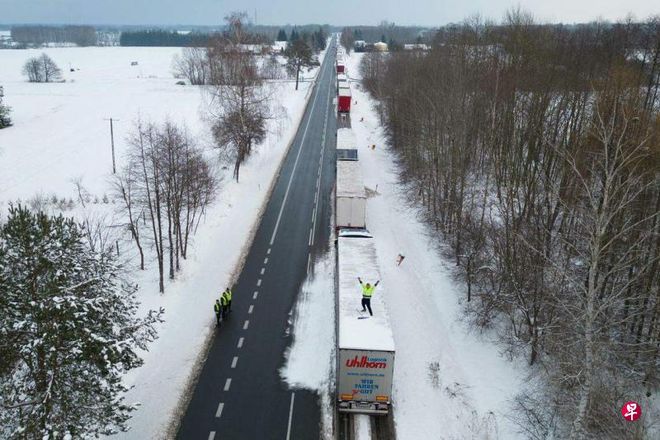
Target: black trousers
[[366, 302], [225, 311], [217, 318]]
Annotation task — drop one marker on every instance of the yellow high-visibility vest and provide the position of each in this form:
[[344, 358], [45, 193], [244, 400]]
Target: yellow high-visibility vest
[[367, 292]]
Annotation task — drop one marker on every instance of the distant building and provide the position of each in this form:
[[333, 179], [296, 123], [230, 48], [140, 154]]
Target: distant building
[[359, 45], [6, 41], [254, 49], [418, 46], [380, 47], [279, 46]]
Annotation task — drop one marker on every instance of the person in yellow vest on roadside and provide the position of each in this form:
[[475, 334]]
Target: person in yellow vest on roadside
[[223, 303], [226, 295], [217, 308], [367, 293]]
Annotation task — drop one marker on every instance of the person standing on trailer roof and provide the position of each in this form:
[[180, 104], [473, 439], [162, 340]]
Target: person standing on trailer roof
[[367, 293]]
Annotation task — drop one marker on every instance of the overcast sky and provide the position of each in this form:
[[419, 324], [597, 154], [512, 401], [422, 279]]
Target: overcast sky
[[338, 12]]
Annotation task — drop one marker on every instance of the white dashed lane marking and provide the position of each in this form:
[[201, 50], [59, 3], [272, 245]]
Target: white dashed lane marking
[[263, 269], [212, 435], [259, 282], [227, 384], [218, 413], [266, 260], [240, 342], [246, 324], [250, 309], [295, 163], [234, 362], [255, 294]]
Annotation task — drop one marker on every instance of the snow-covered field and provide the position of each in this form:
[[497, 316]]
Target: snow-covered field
[[60, 134], [60, 129]]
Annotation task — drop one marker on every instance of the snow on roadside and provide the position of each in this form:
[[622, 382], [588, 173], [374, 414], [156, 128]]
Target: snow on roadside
[[220, 244], [362, 427], [310, 358], [59, 133], [448, 382]]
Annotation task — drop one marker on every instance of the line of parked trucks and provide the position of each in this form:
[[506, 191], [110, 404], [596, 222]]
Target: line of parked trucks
[[343, 88], [365, 345]]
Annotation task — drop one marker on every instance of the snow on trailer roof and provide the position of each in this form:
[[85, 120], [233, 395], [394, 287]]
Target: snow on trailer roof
[[357, 258], [349, 179], [346, 139], [344, 91]]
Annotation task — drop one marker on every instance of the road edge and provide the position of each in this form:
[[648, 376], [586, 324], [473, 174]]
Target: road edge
[[172, 426]]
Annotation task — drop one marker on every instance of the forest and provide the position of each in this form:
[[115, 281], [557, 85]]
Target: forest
[[533, 153], [37, 35], [165, 38]]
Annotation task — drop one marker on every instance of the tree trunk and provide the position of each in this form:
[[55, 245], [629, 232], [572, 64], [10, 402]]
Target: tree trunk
[[170, 239], [297, 75]]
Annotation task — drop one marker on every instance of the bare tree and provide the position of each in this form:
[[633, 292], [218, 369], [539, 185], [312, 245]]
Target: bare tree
[[49, 69], [32, 69], [126, 186], [169, 182], [347, 39], [42, 69], [97, 231], [613, 180], [144, 155], [272, 69], [543, 184], [193, 65], [239, 102]]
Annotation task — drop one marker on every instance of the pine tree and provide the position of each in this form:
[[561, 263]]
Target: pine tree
[[281, 35], [294, 36], [69, 332], [5, 120], [299, 55]]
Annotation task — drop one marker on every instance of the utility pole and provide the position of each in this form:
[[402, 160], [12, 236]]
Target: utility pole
[[112, 144]]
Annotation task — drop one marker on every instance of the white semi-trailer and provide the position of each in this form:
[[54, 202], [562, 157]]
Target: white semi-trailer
[[342, 81], [346, 139], [365, 346], [351, 197]]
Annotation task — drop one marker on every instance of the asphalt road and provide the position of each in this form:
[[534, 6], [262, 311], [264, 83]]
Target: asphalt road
[[239, 394]]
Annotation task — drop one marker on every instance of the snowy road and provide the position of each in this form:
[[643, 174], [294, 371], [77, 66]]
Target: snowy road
[[239, 394]]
